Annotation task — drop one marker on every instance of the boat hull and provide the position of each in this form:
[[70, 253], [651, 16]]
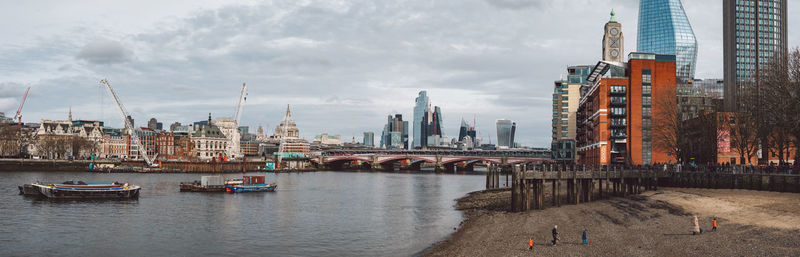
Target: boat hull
[[29, 189], [57, 192], [251, 188]]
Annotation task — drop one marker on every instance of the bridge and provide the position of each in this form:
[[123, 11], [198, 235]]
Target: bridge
[[441, 160]]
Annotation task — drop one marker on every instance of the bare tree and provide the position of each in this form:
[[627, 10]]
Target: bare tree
[[10, 140], [742, 131], [669, 131]]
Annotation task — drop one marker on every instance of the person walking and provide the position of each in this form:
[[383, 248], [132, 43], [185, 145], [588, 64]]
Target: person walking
[[530, 243], [584, 241], [555, 235], [696, 229], [714, 225]]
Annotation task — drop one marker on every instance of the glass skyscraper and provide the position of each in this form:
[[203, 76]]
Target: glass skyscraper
[[664, 29], [754, 32], [505, 133], [422, 103]]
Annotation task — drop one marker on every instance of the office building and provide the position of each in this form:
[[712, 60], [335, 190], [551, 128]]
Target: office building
[[505, 133], [754, 32], [664, 29], [422, 104], [395, 133], [369, 139]]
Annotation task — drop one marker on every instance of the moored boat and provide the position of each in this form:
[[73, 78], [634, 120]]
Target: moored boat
[[251, 184], [252, 188], [82, 190]]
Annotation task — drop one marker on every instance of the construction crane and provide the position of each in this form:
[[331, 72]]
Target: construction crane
[[18, 116], [128, 126], [236, 116]]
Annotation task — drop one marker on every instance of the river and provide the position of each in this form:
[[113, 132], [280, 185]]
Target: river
[[311, 214]]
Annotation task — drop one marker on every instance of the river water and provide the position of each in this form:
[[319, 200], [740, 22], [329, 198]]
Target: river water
[[311, 214]]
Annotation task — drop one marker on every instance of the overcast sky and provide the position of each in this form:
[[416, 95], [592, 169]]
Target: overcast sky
[[342, 65]]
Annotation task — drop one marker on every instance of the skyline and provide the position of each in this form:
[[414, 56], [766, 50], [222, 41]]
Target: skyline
[[337, 74]]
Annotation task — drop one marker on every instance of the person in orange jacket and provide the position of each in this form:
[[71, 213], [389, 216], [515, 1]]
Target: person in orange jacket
[[714, 224], [530, 243]]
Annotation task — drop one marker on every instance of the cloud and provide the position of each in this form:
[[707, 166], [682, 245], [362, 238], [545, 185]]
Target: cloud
[[516, 4], [104, 52]]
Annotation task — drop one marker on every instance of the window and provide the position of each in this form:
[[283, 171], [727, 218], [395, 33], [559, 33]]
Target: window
[[564, 116], [564, 122], [564, 128], [565, 98], [564, 134]]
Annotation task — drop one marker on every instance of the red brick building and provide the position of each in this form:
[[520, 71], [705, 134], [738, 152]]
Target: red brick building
[[616, 114]]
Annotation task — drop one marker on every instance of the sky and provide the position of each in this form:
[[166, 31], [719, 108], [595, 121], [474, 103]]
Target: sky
[[343, 66]]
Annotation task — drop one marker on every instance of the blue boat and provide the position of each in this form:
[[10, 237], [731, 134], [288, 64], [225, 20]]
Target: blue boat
[[251, 188]]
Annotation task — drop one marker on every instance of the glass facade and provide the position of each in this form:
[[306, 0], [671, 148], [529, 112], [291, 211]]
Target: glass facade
[[665, 29], [755, 32], [505, 133], [420, 108]]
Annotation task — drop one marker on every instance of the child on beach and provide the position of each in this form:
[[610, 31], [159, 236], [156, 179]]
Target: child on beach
[[714, 224], [530, 243], [584, 241]]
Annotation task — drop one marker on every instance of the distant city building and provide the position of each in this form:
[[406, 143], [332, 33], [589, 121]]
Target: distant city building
[[395, 133], [130, 119], [287, 126], [422, 104], [505, 133], [174, 126], [152, 124], [369, 139], [427, 122], [664, 29], [467, 135], [159, 126], [326, 139], [754, 32]]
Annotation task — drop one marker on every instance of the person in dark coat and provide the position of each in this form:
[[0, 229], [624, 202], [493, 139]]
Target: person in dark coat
[[555, 234], [584, 240]]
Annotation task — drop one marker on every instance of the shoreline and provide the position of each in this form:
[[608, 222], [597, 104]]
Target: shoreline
[[655, 223]]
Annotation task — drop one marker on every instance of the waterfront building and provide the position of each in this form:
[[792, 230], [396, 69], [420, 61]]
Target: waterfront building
[[395, 133], [616, 116], [231, 131], [422, 104], [754, 32], [369, 139], [505, 133], [147, 138], [664, 29], [326, 139], [209, 141], [288, 126], [115, 144]]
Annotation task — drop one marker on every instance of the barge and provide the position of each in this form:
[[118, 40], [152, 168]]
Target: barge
[[82, 190]]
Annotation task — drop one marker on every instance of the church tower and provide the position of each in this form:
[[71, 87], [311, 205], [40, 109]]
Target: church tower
[[613, 41]]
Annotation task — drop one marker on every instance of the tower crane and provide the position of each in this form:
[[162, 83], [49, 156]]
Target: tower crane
[[128, 126], [18, 116], [237, 116]]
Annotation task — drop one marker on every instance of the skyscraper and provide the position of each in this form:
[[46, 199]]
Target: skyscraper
[[369, 139], [754, 32], [505, 133], [395, 133], [420, 108], [664, 29], [427, 122]]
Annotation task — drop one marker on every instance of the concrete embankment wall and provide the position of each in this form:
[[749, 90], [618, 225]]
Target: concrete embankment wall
[[43, 165], [83, 165], [752, 181]]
